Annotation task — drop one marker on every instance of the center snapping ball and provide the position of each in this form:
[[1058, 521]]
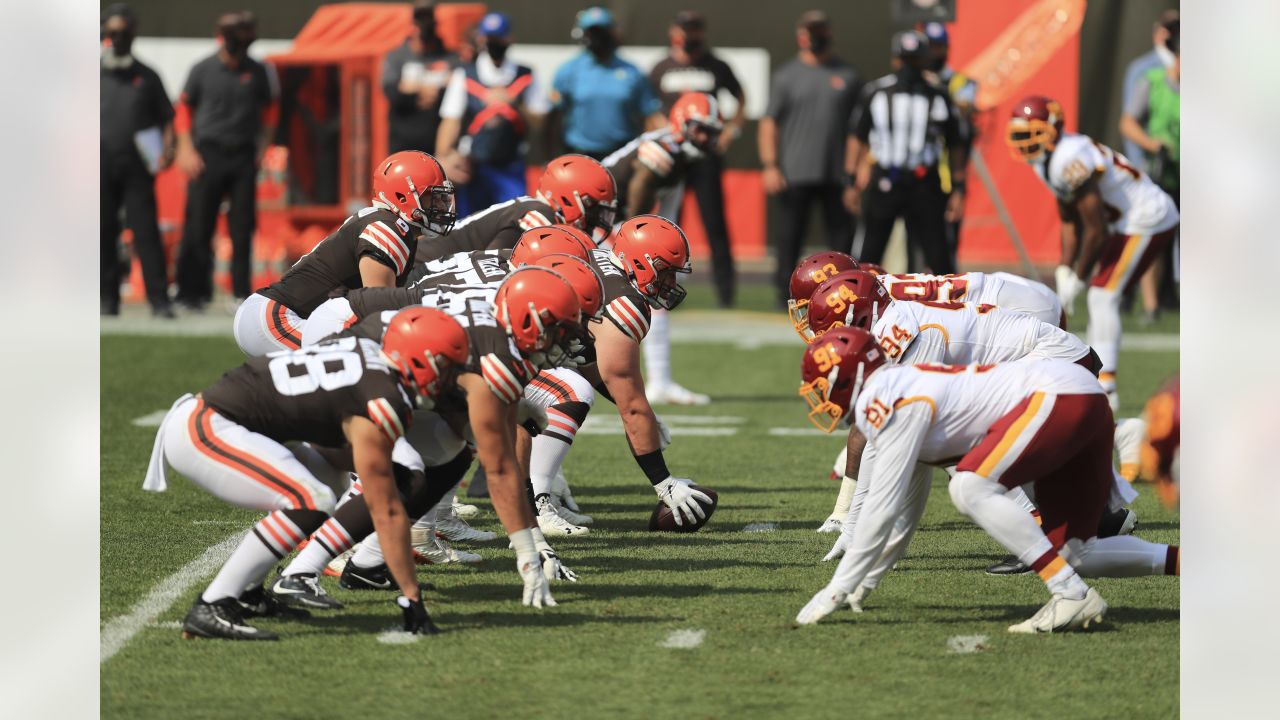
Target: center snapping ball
[[663, 519]]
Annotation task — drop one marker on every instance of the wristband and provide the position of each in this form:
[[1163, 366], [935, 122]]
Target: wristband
[[957, 185], [522, 542], [654, 466]]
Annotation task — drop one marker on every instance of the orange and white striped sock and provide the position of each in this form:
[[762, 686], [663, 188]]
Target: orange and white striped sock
[[275, 536]]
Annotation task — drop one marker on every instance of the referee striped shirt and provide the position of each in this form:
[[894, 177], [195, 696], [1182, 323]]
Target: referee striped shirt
[[905, 123]]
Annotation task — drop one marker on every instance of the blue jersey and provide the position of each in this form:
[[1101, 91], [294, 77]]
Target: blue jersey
[[604, 105]]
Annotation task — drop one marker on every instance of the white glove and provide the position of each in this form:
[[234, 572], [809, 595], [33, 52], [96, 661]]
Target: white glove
[[552, 568], [842, 544], [1069, 286], [822, 605], [664, 433], [537, 590], [577, 354], [682, 498], [527, 410]]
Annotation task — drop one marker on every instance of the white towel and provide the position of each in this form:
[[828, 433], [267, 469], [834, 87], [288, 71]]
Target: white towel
[[155, 480]]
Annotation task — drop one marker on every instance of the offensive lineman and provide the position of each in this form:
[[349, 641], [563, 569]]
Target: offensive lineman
[[1115, 220], [228, 440], [373, 248], [1040, 424]]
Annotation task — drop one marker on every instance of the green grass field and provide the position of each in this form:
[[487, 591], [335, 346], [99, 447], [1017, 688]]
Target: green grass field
[[599, 652]]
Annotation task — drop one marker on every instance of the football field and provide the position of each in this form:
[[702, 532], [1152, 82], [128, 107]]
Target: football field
[[658, 625]]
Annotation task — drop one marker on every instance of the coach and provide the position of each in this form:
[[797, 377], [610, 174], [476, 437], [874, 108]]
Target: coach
[[225, 116], [903, 120], [137, 140]]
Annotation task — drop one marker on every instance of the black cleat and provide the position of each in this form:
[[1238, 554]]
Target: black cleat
[[377, 577], [1008, 565], [221, 619], [303, 590], [259, 603], [1120, 522]]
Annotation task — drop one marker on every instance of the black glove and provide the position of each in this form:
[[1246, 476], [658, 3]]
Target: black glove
[[416, 619]]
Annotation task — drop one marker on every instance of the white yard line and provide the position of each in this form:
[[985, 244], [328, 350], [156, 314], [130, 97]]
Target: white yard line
[[684, 639], [120, 630], [760, 527], [796, 431], [965, 644], [150, 419], [397, 637]]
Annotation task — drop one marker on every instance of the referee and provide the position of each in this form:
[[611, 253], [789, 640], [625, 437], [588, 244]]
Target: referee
[[891, 162]]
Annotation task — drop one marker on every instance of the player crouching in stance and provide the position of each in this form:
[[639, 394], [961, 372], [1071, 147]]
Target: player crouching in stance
[[1042, 425], [229, 441]]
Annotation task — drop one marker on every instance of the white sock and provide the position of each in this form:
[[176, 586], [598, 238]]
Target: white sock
[[1103, 336], [1122, 556], [368, 553], [270, 540], [657, 350], [847, 487], [548, 455]]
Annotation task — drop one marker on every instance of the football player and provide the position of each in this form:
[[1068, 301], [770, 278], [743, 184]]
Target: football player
[[574, 190], [911, 333], [228, 440], [373, 248], [534, 313], [1115, 220], [653, 162], [1040, 424], [1161, 456]]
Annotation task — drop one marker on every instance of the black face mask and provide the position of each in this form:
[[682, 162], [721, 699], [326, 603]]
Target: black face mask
[[936, 64], [497, 51], [819, 43], [236, 45], [693, 46], [427, 30], [121, 42], [908, 73]]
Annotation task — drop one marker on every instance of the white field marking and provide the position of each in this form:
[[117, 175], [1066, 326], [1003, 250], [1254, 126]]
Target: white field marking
[[397, 637], [795, 431], [702, 419], [151, 419], [761, 527], [964, 644], [168, 624], [216, 522], [684, 639], [120, 630]]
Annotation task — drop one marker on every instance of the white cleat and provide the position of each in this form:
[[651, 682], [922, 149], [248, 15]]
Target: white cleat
[[822, 605], [831, 525], [674, 394], [464, 511], [455, 529], [560, 491], [430, 549], [552, 524], [857, 597], [576, 518], [1128, 442], [336, 565], [1062, 613]]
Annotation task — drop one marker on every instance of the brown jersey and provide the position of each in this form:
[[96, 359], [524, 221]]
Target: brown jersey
[[495, 228], [624, 306], [305, 395], [469, 269], [334, 263], [659, 152]]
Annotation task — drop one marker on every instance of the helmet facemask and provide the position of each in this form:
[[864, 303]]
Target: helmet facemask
[[664, 291], [1029, 140], [440, 212]]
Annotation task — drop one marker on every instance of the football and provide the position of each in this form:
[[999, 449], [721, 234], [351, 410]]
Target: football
[[663, 520]]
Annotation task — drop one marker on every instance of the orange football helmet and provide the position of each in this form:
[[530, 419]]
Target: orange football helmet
[[652, 250], [413, 185], [428, 348], [552, 239], [695, 120], [581, 190], [584, 280], [541, 312]]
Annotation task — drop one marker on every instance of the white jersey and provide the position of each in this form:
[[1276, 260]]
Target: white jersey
[[960, 287], [965, 400], [965, 333], [1135, 205]]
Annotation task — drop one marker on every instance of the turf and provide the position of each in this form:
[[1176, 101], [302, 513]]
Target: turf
[[598, 654]]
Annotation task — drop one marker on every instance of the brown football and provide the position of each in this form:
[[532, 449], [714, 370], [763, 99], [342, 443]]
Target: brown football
[[663, 520]]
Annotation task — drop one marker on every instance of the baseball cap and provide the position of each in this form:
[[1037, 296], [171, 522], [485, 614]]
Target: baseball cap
[[935, 31], [495, 24], [690, 20], [909, 44], [594, 17]]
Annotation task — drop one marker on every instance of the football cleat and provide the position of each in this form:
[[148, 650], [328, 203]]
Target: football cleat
[[465, 511], [1119, 522], [259, 603], [1008, 565], [576, 518], [831, 525], [1062, 613], [822, 605], [857, 597], [1128, 441], [377, 577], [335, 566], [552, 524], [303, 590], [455, 529], [431, 549], [560, 490], [221, 619], [673, 393]]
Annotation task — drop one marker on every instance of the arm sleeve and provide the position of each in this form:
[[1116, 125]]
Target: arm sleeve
[[1135, 104], [726, 79], [561, 97], [905, 527], [536, 99], [454, 103], [860, 119], [191, 90], [890, 461], [646, 102], [777, 106], [160, 104]]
